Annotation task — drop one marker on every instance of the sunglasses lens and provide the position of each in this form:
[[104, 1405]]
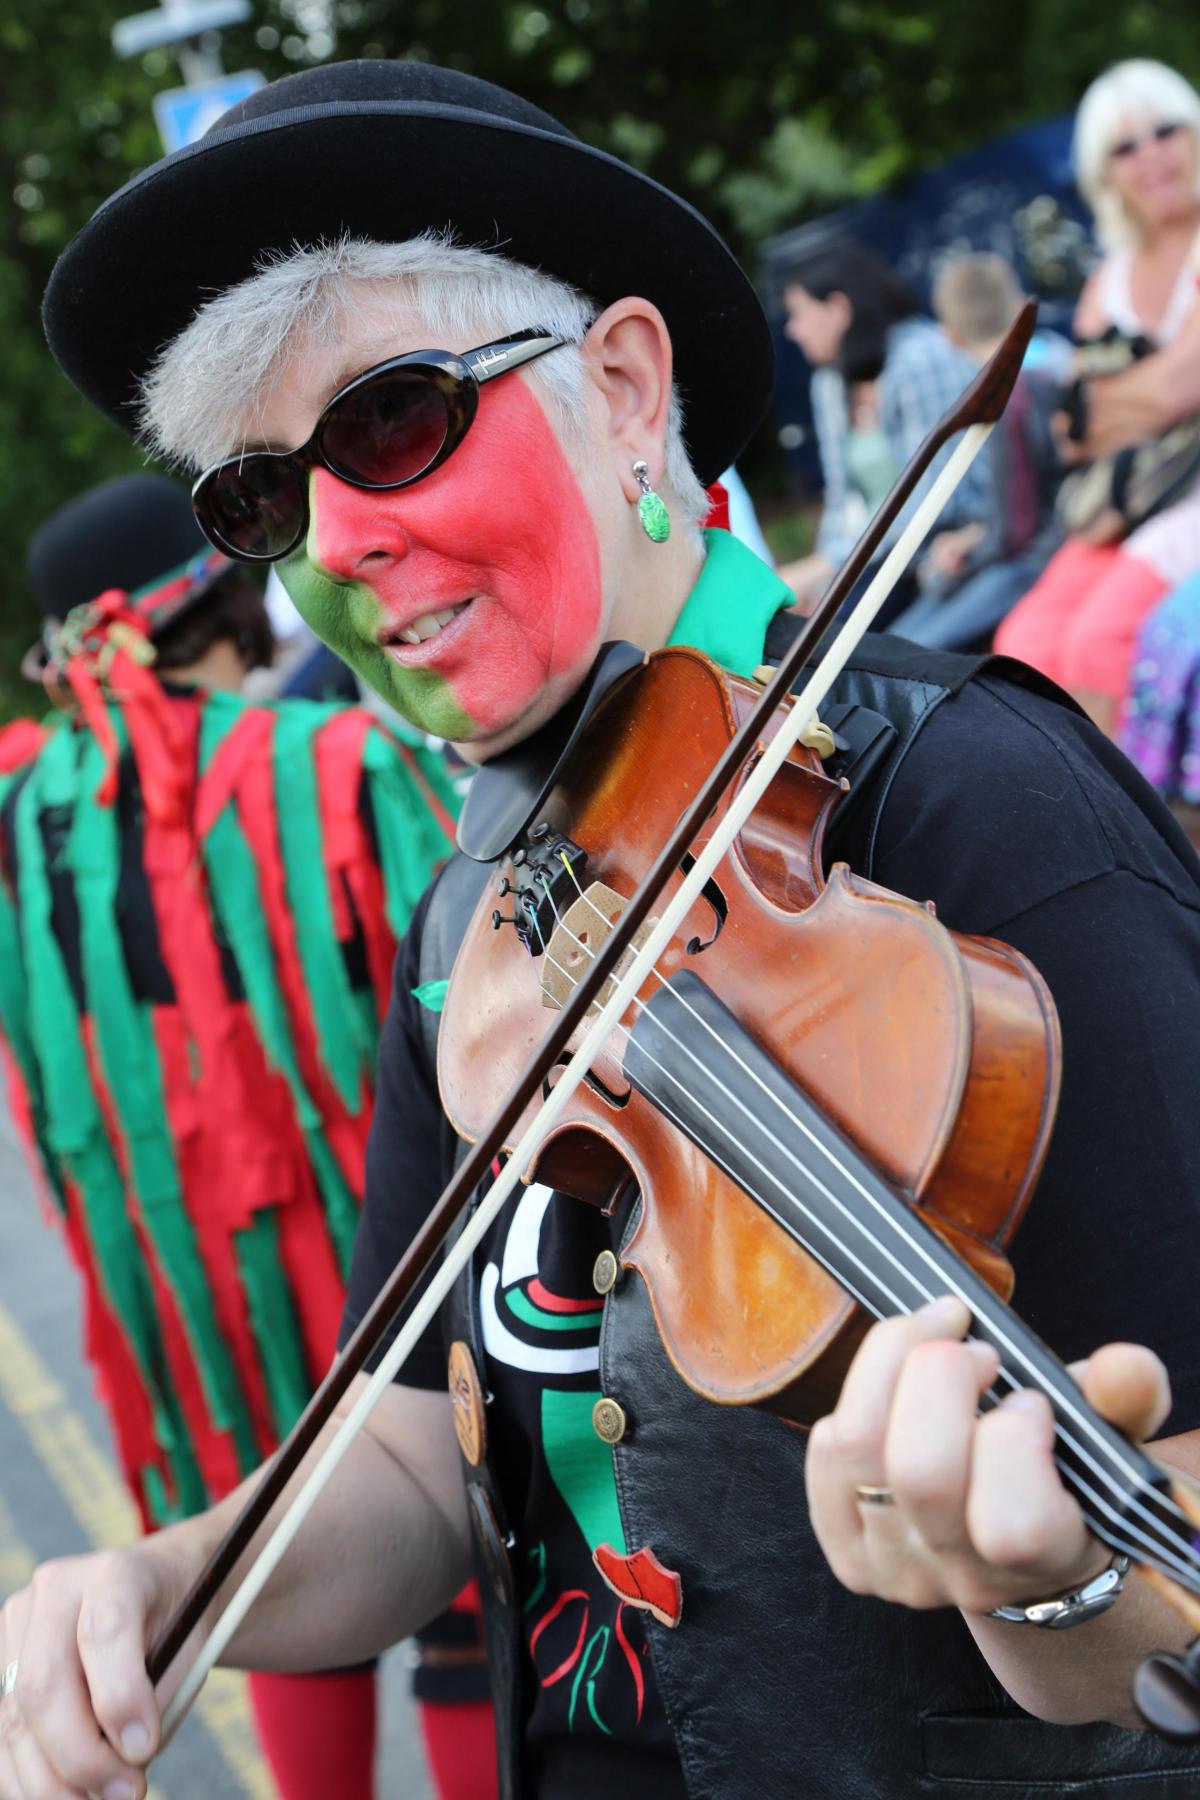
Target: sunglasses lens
[[255, 507], [387, 430], [1160, 135]]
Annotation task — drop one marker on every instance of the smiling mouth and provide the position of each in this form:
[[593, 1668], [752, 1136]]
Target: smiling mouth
[[426, 626]]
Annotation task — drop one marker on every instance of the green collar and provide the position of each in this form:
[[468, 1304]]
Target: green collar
[[728, 611]]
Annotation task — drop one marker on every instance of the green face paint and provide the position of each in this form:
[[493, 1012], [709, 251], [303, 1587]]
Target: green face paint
[[348, 617]]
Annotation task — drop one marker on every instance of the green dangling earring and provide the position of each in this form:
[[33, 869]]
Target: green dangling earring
[[652, 508]]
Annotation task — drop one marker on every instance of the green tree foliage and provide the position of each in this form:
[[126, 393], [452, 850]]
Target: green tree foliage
[[761, 114]]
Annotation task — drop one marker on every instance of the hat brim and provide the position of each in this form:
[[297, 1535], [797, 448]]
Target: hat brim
[[202, 219]]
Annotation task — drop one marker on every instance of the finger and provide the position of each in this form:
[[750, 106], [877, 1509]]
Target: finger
[[859, 1420], [847, 1447], [35, 1779], [12, 1620], [112, 1649], [55, 1705], [1021, 1521], [1128, 1385], [9, 1789], [930, 1437], [833, 1511]]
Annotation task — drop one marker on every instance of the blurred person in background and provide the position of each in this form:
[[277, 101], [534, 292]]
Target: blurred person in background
[[882, 377], [199, 907], [1159, 727], [1137, 161], [970, 578]]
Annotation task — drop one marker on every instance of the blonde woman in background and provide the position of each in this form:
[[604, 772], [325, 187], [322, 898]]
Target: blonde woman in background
[[1137, 160]]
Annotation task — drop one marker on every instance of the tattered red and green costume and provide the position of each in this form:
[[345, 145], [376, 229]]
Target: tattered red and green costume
[[194, 967]]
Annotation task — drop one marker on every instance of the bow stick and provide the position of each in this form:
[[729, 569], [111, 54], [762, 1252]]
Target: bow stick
[[975, 413]]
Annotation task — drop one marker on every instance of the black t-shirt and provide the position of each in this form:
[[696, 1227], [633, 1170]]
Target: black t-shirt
[[1020, 822]]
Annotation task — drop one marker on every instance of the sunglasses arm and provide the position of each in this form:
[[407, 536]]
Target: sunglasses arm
[[509, 353]]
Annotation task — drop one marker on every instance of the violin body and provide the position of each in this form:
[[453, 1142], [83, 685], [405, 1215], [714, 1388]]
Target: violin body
[[935, 1054]]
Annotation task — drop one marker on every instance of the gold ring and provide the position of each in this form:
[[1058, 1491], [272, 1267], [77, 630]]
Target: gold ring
[[873, 1496]]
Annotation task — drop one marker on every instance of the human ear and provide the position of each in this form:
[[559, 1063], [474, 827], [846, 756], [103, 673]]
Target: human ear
[[841, 310], [628, 356]]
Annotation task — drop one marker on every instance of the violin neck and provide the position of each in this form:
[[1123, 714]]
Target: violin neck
[[689, 1056]]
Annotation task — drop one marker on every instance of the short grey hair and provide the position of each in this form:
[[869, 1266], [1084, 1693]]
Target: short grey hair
[[216, 376], [1141, 89]]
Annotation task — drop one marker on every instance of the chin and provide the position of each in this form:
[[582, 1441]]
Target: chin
[[496, 739], [541, 708]]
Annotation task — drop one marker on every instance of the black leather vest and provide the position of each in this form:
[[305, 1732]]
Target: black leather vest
[[777, 1681]]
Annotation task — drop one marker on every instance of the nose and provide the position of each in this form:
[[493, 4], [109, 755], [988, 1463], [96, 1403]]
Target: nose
[[352, 532]]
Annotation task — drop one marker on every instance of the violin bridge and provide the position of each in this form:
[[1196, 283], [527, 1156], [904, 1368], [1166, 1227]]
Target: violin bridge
[[576, 939]]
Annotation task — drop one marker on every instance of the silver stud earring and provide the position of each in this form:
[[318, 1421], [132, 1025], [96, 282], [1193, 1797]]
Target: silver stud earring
[[652, 510]]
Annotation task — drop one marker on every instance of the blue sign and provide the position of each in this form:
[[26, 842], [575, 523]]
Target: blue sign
[[185, 114]]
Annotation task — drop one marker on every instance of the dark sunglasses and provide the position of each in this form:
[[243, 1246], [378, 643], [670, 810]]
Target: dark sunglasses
[[1159, 135], [388, 427]]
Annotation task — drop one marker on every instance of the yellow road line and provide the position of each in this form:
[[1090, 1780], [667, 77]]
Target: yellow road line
[[222, 1704], [68, 1451], [85, 1477], [16, 1558]]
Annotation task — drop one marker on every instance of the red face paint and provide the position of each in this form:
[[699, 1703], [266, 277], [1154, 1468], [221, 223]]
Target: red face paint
[[501, 531]]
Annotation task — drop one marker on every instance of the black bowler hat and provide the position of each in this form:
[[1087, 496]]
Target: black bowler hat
[[386, 150], [137, 533]]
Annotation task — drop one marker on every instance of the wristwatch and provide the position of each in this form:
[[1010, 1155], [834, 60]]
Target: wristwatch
[[1076, 1606]]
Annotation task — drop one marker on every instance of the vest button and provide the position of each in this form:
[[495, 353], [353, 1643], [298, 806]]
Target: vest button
[[608, 1420], [604, 1272], [466, 1391]]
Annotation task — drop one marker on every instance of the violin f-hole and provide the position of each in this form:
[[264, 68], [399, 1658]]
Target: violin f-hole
[[614, 1096], [717, 902]]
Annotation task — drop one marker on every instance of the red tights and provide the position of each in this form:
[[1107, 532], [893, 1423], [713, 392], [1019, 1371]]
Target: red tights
[[460, 1743], [317, 1733]]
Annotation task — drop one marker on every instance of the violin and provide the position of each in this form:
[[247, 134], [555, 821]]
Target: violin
[[808, 1049], [834, 1108]]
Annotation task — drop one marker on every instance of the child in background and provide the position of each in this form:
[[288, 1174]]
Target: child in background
[[971, 577]]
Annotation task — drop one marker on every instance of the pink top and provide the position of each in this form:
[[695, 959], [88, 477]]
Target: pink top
[[1116, 298]]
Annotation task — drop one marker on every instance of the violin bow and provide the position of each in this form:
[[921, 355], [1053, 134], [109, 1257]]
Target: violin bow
[[974, 414]]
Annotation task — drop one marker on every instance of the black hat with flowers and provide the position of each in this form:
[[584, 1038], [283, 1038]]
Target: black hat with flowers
[[136, 534], [385, 150]]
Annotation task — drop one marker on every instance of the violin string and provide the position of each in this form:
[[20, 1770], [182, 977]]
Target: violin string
[[853, 1291], [1067, 1437], [1135, 1480], [1165, 1552], [1146, 1548]]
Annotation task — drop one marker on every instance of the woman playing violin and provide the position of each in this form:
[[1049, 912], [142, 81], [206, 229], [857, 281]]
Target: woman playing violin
[[466, 526]]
